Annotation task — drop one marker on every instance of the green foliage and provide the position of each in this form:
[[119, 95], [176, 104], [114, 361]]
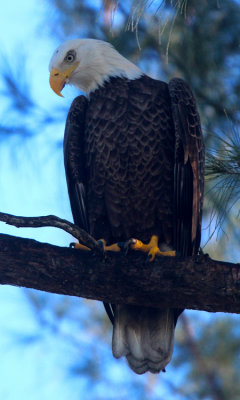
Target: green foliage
[[223, 176]]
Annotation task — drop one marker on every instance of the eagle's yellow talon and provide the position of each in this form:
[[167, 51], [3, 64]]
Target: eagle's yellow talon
[[153, 253], [80, 246], [112, 247], [151, 248], [171, 253], [137, 244]]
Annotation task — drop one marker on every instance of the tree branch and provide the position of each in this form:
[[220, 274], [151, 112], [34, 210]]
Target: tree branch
[[194, 282], [56, 222]]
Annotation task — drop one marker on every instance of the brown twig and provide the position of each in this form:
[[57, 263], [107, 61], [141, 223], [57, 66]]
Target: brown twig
[[56, 222]]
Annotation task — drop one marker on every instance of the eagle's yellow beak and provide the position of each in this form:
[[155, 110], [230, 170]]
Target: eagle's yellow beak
[[59, 79]]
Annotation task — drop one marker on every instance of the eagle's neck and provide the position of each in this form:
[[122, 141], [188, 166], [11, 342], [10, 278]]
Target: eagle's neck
[[101, 65]]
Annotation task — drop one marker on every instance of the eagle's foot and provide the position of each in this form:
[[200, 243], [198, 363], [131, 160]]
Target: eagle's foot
[[125, 246], [79, 246], [151, 248], [112, 247]]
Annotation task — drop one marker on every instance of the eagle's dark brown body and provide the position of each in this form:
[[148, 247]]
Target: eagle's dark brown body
[[129, 140], [121, 150], [134, 160]]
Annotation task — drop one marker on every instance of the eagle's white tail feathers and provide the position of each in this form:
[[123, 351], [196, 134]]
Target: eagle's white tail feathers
[[145, 336]]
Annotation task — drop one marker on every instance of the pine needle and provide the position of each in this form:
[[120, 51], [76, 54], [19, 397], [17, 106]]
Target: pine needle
[[223, 177]]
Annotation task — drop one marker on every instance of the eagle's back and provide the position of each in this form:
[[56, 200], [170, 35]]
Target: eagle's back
[[129, 160]]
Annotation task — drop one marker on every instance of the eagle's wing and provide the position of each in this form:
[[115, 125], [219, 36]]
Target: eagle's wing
[[74, 162], [73, 147], [189, 169]]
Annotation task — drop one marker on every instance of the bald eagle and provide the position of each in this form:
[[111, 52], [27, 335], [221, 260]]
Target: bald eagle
[[134, 161]]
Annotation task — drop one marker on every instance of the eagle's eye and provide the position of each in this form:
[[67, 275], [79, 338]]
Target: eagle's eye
[[70, 56]]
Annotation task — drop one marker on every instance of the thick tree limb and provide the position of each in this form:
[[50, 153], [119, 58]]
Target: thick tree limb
[[194, 282]]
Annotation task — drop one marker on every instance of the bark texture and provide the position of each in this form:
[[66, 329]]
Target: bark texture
[[194, 282]]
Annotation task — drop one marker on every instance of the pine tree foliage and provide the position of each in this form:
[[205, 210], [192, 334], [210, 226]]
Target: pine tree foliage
[[223, 176]]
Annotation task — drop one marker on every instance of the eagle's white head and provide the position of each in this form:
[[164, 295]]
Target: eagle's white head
[[87, 64]]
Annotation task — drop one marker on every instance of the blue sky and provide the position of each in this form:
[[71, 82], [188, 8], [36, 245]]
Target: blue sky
[[36, 371], [23, 34]]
